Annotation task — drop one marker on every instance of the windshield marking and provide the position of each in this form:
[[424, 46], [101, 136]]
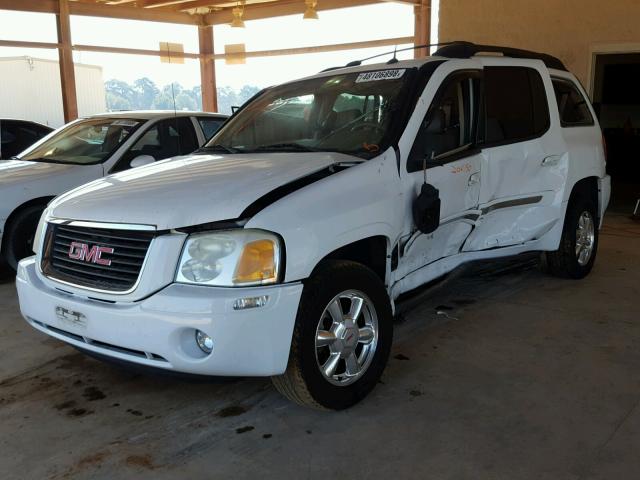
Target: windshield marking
[[380, 75]]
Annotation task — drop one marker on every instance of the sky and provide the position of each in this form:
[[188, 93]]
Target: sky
[[385, 20]]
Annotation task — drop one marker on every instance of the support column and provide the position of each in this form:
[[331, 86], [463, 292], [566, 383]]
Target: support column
[[65, 58], [207, 69], [422, 27]]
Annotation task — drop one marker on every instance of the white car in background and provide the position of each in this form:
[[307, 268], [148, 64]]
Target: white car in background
[[283, 246], [84, 150]]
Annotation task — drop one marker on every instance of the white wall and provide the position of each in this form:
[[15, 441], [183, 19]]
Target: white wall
[[30, 90]]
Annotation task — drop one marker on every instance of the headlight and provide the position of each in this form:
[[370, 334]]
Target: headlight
[[230, 258]]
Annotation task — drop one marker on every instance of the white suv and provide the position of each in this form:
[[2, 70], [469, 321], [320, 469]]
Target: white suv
[[280, 249], [84, 150]]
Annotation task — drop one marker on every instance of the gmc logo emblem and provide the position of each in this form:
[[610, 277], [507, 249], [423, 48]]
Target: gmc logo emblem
[[82, 252]]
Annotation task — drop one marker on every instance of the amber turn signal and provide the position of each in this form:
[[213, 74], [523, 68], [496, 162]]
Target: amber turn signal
[[257, 264]]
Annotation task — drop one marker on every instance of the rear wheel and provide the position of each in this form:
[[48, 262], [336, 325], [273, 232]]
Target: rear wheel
[[579, 243], [19, 235], [341, 340]]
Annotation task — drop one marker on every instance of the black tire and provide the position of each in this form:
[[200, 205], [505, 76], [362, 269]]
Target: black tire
[[17, 242], [303, 382], [564, 261]]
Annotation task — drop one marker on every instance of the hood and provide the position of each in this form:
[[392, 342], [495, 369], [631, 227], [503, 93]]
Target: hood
[[14, 172], [189, 190]]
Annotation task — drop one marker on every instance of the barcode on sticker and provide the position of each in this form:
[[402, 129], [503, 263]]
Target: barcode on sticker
[[380, 75]]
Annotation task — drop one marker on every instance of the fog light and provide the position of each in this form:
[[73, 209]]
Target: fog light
[[204, 341], [250, 302]]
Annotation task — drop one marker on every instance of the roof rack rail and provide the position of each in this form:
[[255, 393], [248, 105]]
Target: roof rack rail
[[460, 49], [356, 63]]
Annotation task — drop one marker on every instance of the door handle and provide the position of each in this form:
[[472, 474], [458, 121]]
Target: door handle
[[474, 179], [551, 160]]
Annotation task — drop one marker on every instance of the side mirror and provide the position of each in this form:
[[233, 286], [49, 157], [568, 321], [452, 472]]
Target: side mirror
[[141, 160], [426, 209]]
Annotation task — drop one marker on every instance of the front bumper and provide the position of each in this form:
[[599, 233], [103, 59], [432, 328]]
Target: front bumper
[[159, 331]]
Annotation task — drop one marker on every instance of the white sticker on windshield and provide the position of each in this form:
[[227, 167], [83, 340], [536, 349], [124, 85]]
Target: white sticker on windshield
[[125, 123], [380, 75]]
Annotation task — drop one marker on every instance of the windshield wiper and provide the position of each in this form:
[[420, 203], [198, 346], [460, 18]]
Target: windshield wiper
[[284, 147], [217, 148]]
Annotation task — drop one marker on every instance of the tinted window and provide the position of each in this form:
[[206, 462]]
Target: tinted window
[[165, 139], [209, 126], [515, 103], [572, 106], [18, 136], [450, 123]]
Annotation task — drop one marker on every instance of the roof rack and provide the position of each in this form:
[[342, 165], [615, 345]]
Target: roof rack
[[468, 49], [356, 63]]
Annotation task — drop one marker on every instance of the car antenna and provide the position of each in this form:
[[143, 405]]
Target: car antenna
[[175, 108], [395, 58]]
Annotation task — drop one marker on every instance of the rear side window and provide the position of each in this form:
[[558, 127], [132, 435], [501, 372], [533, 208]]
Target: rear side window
[[516, 104], [572, 105], [18, 136], [164, 139]]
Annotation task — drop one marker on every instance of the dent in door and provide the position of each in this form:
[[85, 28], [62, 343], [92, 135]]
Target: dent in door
[[512, 222]]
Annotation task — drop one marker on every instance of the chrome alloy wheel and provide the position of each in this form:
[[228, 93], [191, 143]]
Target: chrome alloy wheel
[[585, 238], [346, 337]]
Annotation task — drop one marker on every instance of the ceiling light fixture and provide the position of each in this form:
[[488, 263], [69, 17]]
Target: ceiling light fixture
[[199, 11], [237, 13], [310, 13]]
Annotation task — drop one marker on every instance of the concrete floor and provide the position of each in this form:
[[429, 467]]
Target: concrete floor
[[528, 377]]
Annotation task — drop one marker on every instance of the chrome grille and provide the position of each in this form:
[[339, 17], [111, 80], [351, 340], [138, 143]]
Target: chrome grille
[[124, 263]]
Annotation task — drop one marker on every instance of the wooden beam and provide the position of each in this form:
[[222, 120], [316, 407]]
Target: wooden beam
[[21, 44], [188, 5], [65, 55], [157, 3], [132, 13], [422, 27], [39, 6], [122, 9], [406, 2], [132, 51], [207, 70], [385, 42], [281, 8], [102, 10]]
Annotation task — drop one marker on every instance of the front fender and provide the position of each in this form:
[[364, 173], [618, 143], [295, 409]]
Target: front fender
[[359, 202]]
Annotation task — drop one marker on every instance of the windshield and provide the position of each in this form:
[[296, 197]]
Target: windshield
[[349, 113], [83, 143]]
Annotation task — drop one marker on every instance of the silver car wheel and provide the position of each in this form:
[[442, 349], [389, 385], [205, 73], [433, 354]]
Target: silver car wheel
[[585, 238], [346, 337]]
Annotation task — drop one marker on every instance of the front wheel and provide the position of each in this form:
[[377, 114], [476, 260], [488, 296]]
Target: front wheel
[[19, 235], [579, 243], [341, 340]]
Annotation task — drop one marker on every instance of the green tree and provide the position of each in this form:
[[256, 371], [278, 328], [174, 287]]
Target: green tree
[[184, 101], [116, 102], [120, 88], [146, 92]]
